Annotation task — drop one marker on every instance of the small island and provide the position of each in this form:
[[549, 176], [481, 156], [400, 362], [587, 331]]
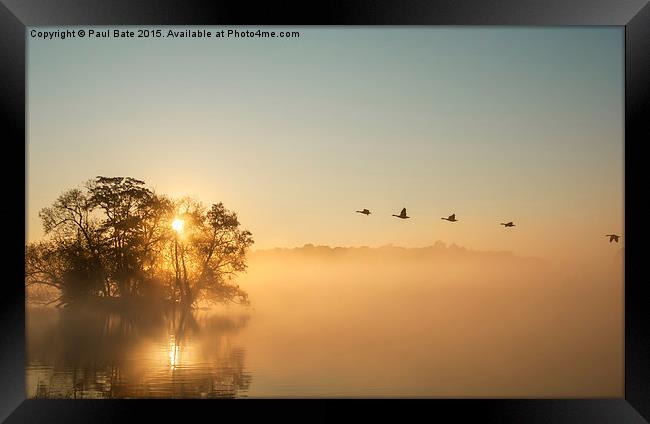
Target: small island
[[116, 243]]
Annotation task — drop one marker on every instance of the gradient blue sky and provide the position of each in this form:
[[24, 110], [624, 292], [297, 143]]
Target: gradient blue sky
[[494, 124]]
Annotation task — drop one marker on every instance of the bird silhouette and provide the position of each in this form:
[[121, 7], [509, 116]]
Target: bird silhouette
[[613, 237], [508, 224], [402, 214], [365, 212], [451, 218]]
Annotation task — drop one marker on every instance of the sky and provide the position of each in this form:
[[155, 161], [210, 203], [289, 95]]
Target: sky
[[493, 124]]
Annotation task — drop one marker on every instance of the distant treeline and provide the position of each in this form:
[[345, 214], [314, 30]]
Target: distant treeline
[[113, 238], [438, 250]]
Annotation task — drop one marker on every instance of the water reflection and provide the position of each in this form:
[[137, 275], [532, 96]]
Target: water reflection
[[140, 354], [359, 327]]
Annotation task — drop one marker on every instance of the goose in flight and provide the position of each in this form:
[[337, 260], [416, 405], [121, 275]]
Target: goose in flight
[[508, 224], [365, 212], [613, 237], [451, 218], [402, 214]]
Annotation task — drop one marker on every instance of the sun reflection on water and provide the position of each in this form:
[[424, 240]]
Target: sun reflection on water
[[159, 357], [174, 352]]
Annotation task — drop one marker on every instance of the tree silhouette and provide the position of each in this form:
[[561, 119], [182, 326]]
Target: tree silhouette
[[112, 238]]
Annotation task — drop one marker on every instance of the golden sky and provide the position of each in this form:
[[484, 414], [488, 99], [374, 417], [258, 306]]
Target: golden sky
[[493, 124]]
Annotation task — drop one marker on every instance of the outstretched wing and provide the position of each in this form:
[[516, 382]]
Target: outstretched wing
[[452, 216], [403, 212]]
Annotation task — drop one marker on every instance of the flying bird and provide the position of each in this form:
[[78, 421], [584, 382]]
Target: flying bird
[[365, 212], [613, 237], [451, 218], [508, 224], [402, 214]]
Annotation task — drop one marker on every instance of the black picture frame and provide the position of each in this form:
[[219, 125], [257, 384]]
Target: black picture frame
[[634, 15]]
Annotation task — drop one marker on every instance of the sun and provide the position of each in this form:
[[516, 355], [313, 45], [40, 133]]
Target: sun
[[178, 225]]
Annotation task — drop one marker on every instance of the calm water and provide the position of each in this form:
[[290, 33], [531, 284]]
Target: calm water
[[348, 328], [82, 354]]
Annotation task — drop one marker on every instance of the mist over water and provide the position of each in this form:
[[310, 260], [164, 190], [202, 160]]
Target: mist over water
[[434, 322]]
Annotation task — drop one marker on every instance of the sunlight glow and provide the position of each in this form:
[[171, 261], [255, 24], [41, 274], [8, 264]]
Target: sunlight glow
[[178, 225], [173, 352]]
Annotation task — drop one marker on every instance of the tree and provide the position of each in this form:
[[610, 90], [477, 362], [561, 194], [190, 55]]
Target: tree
[[71, 257], [132, 227], [217, 247], [112, 237]]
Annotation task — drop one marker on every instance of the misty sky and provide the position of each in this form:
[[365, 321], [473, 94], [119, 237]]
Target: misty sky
[[493, 124]]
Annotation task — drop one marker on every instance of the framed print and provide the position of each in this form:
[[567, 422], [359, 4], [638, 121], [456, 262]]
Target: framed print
[[376, 201]]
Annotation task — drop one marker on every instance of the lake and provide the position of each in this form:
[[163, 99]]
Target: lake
[[352, 325]]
